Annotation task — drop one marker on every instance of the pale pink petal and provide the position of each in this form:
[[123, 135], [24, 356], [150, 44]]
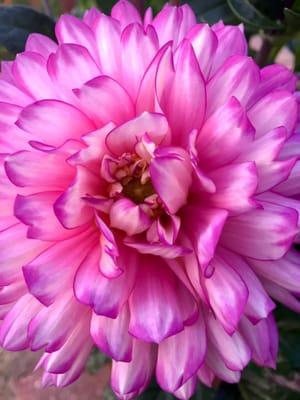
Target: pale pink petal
[[104, 101], [171, 171], [238, 77], [53, 122], [106, 334], [126, 13], [227, 293], [175, 367], [40, 44], [129, 379]]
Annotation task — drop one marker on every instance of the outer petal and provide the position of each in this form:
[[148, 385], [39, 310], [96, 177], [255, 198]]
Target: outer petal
[[227, 294], [105, 296], [174, 368], [111, 335], [52, 272], [259, 304], [238, 77], [69, 208], [235, 186], [153, 318], [104, 101], [229, 129], [263, 340], [40, 44], [187, 390], [173, 23], [28, 65], [140, 46], [16, 255], [36, 211], [182, 96], [125, 12], [204, 227], [278, 108], [13, 331], [233, 349], [78, 62], [53, 122], [264, 234], [205, 43], [285, 271], [130, 379], [69, 29], [231, 42]]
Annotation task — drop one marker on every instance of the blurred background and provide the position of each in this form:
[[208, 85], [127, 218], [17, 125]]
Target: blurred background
[[272, 28]]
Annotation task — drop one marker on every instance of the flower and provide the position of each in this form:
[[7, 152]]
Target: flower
[[149, 182]]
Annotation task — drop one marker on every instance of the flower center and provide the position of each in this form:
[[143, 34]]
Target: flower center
[[136, 190]]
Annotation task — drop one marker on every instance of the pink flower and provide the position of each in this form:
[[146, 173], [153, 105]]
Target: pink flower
[[149, 183]]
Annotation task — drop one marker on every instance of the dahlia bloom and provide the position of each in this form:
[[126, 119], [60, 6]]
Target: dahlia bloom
[[149, 189]]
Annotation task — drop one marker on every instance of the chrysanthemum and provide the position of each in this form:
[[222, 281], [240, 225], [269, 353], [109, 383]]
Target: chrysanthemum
[[148, 186]]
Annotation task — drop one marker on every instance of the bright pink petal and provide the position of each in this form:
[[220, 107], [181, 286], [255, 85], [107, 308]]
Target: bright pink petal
[[40, 44], [125, 12]]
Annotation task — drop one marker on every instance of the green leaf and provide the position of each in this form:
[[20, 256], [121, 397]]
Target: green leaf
[[17, 22], [212, 11], [247, 13], [292, 20]]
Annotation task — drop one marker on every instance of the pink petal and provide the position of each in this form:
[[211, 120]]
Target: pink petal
[[171, 175], [52, 271], [40, 44], [204, 227], [284, 271], [153, 318], [53, 122], [227, 293], [183, 96], [173, 23], [229, 129], [290, 186], [69, 208], [16, 255], [129, 217], [278, 108], [13, 331], [158, 249], [128, 379], [104, 101], [123, 138], [259, 304], [205, 43], [125, 12], [264, 234], [111, 335], [110, 61], [80, 65], [24, 167], [70, 29], [28, 65], [187, 390], [9, 93], [233, 349], [36, 211], [231, 42], [235, 186], [105, 296], [52, 326], [174, 368], [217, 366], [262, 339], [141, 46], [238, 77]]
